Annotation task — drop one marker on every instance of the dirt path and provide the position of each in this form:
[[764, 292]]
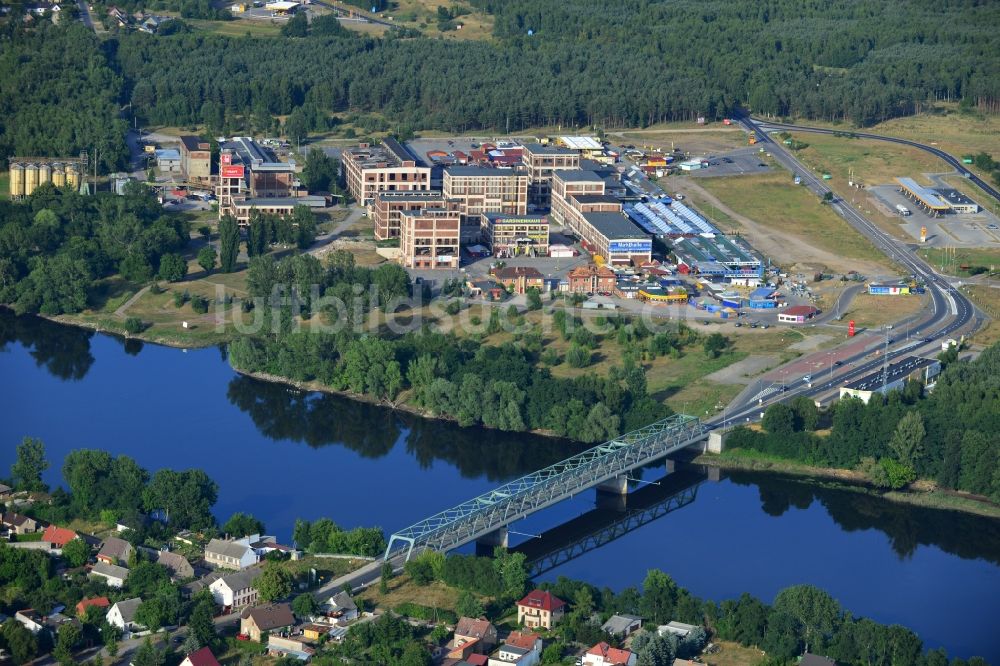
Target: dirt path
[[782, 247], [120, 312]]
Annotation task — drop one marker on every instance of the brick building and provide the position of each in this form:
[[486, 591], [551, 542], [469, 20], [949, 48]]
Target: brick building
[[430, 238], [388, 167]]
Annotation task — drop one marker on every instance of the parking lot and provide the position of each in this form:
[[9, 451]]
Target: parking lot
[[420, 147], [949, 230], [735, 163]]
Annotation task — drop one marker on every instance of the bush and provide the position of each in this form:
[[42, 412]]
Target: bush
[[419, 612], [199, 304], [180, 298], [134, 325], [453, 307]]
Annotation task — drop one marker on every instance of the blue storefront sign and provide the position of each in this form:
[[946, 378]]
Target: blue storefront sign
[[638, 246]]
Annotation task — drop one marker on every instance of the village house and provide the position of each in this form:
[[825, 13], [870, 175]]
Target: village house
[[540, 609], [472, 636], [115, 551], [341, 607], [236, 590], [202, 657], [16, 523], [621, 626], [176, 564], [95, 602], [57, 537], [30, 619], [315, 631], [282, 646], [254, 622], [520, 648], [231, 553], [603, 654], [114, 575], [122, 615]]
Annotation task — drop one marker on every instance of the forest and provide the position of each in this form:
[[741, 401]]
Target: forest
[[949, 434], [568, 62], [54, 249]]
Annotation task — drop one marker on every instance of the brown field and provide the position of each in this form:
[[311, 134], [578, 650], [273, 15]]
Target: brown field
[[734, 654], [402, 590], [786, 222], [988, 299], [869, 311]]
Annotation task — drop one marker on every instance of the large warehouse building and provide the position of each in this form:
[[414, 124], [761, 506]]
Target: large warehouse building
[[727, 257], [613, 238], [892, 378], [389, 167]]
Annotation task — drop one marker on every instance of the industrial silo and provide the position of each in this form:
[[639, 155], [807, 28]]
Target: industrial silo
[[30, 178], [72, 176], [16, 179], [58, 175], [44, 173]]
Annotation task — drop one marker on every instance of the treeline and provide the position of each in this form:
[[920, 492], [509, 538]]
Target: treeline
[[853, 61], [59, 94], [949, 434], [325, 536], [53, 249]]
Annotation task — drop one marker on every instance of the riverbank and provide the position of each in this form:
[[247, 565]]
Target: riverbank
[[922, 493], [197, 337]]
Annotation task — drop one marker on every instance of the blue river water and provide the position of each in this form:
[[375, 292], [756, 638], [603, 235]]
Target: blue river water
[[281, 454]]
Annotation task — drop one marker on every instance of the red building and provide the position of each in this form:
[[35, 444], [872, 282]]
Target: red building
[[591, 279]]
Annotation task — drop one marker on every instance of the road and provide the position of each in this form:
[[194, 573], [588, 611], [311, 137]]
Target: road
[[950, 309], [339, 11], [950, 159], [85, 15]]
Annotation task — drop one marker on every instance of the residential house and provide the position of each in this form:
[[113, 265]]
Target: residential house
[[176, 564], [472, 636], [540, 609], [113, 575], [122, 615], [520, 648], [236, 590], [341, 607], [621, 626], [231, 553], [18, 524], [280, 646], [603, 654], [816, 660], [56, 620], [314, 631], [678, 629], [31, 619], [96, 602], [202, 657], [254, 622], [57, 537], [519, 279], [115, 551], [488, 290]]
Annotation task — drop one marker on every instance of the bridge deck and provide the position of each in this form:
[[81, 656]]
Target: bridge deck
[[518, 498]]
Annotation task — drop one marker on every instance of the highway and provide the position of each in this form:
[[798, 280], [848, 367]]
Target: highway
[[950, 159], [951, 310]]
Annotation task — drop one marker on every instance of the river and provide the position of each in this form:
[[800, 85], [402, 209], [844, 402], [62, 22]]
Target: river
[[282, 454]]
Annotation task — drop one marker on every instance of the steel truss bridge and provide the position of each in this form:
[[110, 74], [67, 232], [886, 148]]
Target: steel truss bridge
[[521, 497], [580, 536]]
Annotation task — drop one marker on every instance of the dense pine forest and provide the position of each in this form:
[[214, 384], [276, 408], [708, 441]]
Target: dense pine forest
[[566, 62]]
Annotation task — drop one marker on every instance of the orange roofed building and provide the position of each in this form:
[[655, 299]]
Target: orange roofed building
[[57, 537], [539, 609], [603, 654]]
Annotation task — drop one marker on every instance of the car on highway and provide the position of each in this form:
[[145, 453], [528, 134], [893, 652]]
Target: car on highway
[[992, 226], [807, 378]]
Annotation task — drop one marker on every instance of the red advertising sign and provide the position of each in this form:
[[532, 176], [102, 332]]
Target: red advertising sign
[[227, 158], [850, 328], [232, 171]]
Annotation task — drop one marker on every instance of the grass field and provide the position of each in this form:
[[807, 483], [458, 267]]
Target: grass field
[[782, 208], [734, 654], [951, 262], [5, 185], [402, 590], [238, 27], [988, 299], [869, 311]]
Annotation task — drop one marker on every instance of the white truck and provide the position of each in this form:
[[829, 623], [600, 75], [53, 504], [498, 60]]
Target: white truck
[[902, 210]]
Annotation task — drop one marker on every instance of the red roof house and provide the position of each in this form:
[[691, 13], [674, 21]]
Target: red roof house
[[202, 657], [540, 609], [99, 602], [58, 537], [603, 654]]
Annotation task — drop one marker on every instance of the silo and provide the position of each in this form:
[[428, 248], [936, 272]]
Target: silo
[[44, 173], [30, 178], [58, 175], [16, 179], [72, 176]]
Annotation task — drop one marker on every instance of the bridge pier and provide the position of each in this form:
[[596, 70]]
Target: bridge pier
[[713, 474], [617, 484], [671, 465], [486, 543], [716, 441]]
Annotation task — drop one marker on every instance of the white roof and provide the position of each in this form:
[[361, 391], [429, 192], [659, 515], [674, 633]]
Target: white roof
[[281, 6], [581, 142]]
